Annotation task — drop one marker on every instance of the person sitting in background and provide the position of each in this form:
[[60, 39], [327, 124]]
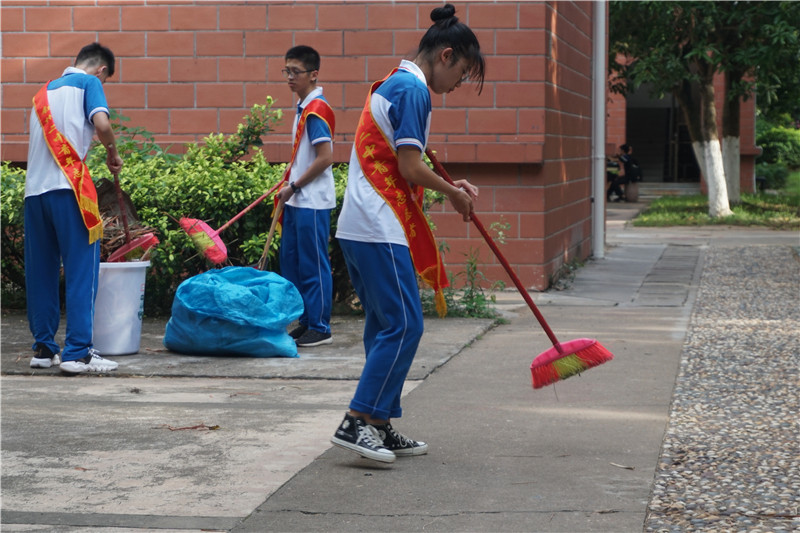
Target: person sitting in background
[[629, 172]]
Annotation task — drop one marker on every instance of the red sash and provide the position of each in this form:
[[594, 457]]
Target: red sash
[[321, 109], [71, 165], [378, 160]]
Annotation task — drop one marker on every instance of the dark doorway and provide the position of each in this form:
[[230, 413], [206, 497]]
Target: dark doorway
[[647, 130], [657, 131]]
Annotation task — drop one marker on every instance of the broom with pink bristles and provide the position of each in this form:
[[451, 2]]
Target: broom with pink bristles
[[207, 240], [564, 359]]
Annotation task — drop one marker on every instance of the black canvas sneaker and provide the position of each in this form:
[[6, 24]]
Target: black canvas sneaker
[[400, 444], [43, 357], [356, 435]]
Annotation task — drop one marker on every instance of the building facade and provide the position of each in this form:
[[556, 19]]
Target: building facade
[[187, 69]]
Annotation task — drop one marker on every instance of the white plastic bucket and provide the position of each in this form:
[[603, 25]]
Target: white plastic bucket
[[119, 307]]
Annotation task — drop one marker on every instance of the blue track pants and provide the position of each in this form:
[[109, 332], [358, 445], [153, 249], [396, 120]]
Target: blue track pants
[[55, 234], [386, 283], [305, 262]]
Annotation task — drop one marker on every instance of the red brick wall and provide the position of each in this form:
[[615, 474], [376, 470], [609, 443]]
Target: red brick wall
[[547, 204], [747, 142], [187, 69]]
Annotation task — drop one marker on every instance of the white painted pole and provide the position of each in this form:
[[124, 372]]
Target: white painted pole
[[599, 79]]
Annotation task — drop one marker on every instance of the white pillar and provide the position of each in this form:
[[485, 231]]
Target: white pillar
[[599, 80]]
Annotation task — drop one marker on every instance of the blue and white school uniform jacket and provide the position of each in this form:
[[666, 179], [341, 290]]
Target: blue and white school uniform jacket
[[401, 107], [321, 192], [74, 98]]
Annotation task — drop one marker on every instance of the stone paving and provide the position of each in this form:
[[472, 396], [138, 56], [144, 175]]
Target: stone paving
[[731, 455]]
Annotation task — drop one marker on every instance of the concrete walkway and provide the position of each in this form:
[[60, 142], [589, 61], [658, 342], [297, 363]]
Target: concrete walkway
[[182, 443]]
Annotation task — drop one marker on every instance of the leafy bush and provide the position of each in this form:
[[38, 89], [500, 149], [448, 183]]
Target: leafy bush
[[211, 182], [780, 145], [12, 193], [774, 175]]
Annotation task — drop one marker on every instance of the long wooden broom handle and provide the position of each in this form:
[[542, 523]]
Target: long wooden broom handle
[[276, 214], [122, 209], [249, 207], [478, 224]]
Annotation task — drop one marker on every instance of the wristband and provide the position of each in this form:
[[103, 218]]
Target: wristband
[[294, 187]]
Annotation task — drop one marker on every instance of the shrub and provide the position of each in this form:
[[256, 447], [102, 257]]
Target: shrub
[[12, 193], [774, 175], [780, 145], [211, 182]]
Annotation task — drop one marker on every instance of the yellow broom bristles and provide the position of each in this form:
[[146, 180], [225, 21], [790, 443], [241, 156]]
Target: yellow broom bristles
[[202, 241], [569, 364]]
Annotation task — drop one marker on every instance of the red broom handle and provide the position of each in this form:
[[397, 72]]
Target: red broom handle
[[249, 207], [478, 224]]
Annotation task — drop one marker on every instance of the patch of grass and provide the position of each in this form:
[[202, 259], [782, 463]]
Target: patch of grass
[[793, 183], [778, 211]]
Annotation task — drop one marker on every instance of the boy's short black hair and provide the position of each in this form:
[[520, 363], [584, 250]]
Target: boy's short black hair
[[625, 148], [306, 55], [96, 53]]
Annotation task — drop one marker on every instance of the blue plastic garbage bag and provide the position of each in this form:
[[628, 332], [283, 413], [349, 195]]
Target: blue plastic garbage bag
[[234, 311]]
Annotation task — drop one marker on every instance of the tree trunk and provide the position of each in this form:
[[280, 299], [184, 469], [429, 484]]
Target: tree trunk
[[718, 204], [697, 104], [731, 149], [731, 161], [689, 102]]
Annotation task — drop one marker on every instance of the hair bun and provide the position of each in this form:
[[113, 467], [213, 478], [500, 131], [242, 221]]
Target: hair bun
[[443, 13]]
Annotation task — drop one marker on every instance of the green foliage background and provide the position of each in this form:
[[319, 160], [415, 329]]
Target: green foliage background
[[780, 145], [212, 181]]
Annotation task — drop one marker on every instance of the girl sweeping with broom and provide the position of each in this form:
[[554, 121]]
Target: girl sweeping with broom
[[384, 235]]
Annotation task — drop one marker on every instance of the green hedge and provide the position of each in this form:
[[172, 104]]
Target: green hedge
[[12, 192], [774, 175], [213, 182], [780, 146]]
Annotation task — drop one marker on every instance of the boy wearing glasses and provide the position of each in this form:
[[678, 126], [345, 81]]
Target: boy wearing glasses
[[309, 197]]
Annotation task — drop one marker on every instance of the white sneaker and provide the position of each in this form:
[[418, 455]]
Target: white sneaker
[[92, 363], [44, 358]]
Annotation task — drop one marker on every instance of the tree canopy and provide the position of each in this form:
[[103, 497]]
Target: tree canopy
[[678, 47], [759, 41]]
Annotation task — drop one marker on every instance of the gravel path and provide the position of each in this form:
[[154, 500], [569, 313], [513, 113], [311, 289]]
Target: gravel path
[[731, 455]]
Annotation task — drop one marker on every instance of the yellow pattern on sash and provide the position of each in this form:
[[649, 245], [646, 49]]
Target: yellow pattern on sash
[[321, 109], [378, 161], [73, 167]]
